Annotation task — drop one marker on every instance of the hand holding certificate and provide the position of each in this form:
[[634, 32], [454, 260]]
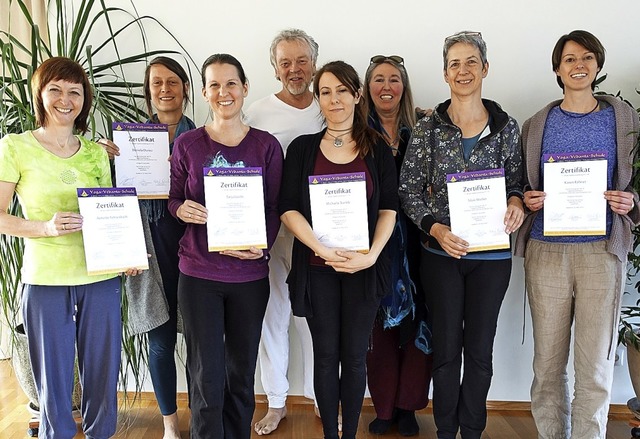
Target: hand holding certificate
[[477, 206], [339, 210], [574, 184], [235, 200], [144, 158], [112, 230]]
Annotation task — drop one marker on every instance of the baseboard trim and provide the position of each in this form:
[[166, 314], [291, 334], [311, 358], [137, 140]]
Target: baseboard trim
[[614, 409]]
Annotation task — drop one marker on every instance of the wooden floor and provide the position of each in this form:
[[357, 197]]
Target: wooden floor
[[143, 421]]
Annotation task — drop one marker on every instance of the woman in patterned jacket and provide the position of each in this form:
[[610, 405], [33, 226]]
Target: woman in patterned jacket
[[465, 289]]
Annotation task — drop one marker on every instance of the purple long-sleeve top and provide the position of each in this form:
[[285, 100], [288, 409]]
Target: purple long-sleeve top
[[192, 152]]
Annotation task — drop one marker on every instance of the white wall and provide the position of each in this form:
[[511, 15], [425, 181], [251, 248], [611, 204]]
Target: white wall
[[520, 36]]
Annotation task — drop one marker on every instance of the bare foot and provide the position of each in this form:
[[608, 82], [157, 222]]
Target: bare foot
[[270, 422], [171, 429]]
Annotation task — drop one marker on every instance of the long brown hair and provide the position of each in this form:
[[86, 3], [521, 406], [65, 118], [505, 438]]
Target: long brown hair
[[364, 136]]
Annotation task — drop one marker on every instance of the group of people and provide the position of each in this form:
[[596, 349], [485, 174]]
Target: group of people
[[236, 305]]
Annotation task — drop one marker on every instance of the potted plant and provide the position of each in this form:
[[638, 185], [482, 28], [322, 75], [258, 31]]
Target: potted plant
[[89, 32]]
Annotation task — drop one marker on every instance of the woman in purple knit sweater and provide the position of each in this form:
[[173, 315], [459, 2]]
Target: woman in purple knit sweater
[[222, 295]]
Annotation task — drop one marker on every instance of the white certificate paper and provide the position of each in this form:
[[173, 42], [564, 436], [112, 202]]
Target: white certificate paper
[[112, 230], [143, 162], [477, 205], [574, 184], [234, 198], [339, 210]]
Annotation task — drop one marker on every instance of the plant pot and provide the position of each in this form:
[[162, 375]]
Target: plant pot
[[24, 374], [633, 358]]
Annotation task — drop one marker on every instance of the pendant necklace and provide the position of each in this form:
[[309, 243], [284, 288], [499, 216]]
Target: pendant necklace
[[337, 140]]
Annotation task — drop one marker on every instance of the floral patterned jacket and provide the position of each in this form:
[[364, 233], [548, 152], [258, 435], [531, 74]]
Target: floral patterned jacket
[[435, 150]]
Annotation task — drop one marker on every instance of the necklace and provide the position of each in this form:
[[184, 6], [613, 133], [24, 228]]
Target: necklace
[[578, 115], [62, 146], [337, 140], [390, 142], [340, 131]]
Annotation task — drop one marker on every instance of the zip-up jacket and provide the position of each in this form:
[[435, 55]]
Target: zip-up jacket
[[436, 150]]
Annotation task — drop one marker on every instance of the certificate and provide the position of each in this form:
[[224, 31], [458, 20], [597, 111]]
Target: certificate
[[143, 162], [112, 230], [477, 205], [234, 198], [339, 210], [574, 184]]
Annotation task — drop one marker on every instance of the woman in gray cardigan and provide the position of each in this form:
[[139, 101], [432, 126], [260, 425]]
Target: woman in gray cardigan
[[577, 279]]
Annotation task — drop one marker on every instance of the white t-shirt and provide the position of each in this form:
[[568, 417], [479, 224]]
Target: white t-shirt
[[284, 121]]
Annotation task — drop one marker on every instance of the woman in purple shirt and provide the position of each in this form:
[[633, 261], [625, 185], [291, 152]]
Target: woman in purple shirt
[[577, 281], [222, 295]]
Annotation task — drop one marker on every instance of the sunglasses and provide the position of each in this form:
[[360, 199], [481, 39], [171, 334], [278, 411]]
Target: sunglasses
[[382, 58], [464, 34]]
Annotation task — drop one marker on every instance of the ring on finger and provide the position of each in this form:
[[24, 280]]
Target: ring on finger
[[190, 215], [64, 227]]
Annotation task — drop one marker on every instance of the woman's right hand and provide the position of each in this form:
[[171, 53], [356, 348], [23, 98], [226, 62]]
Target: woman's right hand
[[111, 148], [330, 254], [452, 244], [192, 212], [534, 200], [63, 223]]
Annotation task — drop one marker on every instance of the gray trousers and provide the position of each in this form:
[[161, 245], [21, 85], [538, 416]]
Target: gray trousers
[[577, 285]]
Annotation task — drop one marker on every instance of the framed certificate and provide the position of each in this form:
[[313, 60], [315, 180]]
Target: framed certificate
[[574, 184], [112, 230], [339, 210], [143, 162], [477, 206], [234, 198]]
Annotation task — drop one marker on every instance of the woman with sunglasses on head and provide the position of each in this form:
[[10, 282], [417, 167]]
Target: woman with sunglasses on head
[[337, 289], [577, 280], [398, 372], [153, 296], [465, 289]]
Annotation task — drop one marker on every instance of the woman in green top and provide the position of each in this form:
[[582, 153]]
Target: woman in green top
[[63, 308]]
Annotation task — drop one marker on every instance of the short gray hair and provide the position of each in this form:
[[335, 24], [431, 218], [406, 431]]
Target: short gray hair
[[467, 37], [294, 35]]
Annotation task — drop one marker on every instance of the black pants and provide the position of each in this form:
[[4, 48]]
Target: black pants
[[464, 298], [166, 234], [340, 328], [222, 325]]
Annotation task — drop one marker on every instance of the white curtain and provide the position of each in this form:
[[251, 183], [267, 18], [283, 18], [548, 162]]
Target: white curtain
[[13, 22]]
